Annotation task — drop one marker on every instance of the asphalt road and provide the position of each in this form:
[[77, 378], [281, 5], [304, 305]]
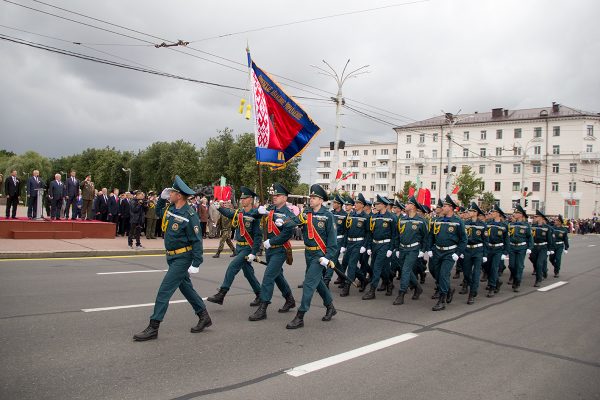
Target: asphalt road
[[527, 345]]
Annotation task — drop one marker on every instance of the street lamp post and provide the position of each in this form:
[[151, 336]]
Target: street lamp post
[[128, 170], [452, 121]]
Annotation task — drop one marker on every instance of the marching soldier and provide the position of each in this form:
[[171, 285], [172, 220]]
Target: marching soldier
[[521, 244], [462, 214], [357, 231], [475, 253], [543, 244], [380, 245], [340, 222], [561, 244], [279, 249], [498, 247], [318, 230], [412, 245], [183, 242], [448, 240], [224, 226], [249, 237]]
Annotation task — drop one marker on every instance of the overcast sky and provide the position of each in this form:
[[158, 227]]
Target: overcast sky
[[472, 55]]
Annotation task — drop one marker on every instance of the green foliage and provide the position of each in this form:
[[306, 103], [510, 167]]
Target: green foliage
[[487, 201], [469, 184], [301, 189], [403, 195], [25, 164]]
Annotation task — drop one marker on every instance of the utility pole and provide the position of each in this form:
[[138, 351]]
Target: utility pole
[[339, 102], [450, 121], [128, 170]]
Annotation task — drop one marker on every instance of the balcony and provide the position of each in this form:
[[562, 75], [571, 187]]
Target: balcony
[[419, 160], [323, 169], [382, 157], [322, 158], [590, 157], [354, 169], [534, 158], [353, 158], [382, 168], [322, 180], [381, 181]]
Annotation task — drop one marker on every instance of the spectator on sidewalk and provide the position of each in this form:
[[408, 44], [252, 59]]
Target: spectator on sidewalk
[[137, 211], [124, 215], [203, 213], [113, 208], [151, 216], [102, 205]]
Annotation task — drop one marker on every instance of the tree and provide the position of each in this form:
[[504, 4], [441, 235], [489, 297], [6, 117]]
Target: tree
[[213, 156], [469, 184], [301, 189], [487, 201], [25, 164], [403, 195]]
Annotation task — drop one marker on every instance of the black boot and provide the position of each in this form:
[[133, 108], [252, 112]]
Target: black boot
[[382, 287], [297, 322], [219, 297], [537, 284], [497, 289], [450, 295], [423, 275], [471, 298], [151, 332], [400, 299], [491, 292], [329, 313], [515, 286], [464, 290], [338, 281], [256, 301], [204, 321], [217, 254], [389, 290], [300, 286], [417, 293], [436, 294], [233, 254], [484, 277], [441, 304], [260, 313], [363, 285], [288, 305], [370, 295], [345, 290]]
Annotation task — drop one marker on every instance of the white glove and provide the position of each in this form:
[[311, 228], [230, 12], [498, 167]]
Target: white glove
[[503, 257], [193, 270], [165, 193], [484, 259], [251, 257], [430, 253], [267, 244], [279, 222], [323, 261], [421, 254], [548, 252], [528, 252], [362, 249], [262, 210], [369, 252], [342, 250], [455, 256], [397, 253], [565, 251], [214, 225], [462, 256], [388, 253]]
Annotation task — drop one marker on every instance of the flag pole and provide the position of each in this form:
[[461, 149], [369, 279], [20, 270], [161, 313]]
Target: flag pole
[[261, 194]]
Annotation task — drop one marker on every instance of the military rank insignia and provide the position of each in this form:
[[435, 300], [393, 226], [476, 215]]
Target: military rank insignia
[[415, 227], [321, 224], [385, 224], [196, 229], [450, 229], [175, 226]]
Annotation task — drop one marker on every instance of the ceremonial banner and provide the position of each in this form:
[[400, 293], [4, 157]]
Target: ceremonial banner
[[283, 129]]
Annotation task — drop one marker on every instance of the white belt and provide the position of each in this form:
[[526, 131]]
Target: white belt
[[519, 244], [340, 236], [496, 244], [541, 244], [474, 246], [446, 248], [409, 245], [382, 241], [356, 239], [558, 242]]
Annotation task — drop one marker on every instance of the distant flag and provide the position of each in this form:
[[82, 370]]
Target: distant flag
[[411, 191], [347, 175], [338, 175], [455, 190], [283, 129]]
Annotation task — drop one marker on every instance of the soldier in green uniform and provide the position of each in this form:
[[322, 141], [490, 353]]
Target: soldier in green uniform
[[356, 233], [151, 216], [411, 244], [462, 214], [183, 242], [561, 244], [498, 247], [279, 230], [381, 243], [448, 242], [224, 226], [521, 244], [475, 253], [318, 230], [248, 235], [340, 216], [543, 243]]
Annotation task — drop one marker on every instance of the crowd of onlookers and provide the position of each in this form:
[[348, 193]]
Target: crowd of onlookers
[[583, 226]]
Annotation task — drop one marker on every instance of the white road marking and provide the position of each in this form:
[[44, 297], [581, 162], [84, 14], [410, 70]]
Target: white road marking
[[553, 286], [130, 306], [329, 361], [591, 245], [130, 272]]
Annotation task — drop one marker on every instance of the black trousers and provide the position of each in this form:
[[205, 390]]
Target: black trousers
[[135, 231], [55, 206], [13, 201]]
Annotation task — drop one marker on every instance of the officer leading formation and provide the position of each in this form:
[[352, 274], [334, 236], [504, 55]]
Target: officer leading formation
[[368, 248]]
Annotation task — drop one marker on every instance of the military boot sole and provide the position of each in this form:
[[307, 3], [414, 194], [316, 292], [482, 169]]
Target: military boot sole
[[216, 301], [327, 318], [295, 326], [195, 329], [137, 338], [438, 308], [260, 318]]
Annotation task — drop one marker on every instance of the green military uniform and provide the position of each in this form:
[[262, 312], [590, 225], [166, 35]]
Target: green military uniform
[[356, 231], [561, 245], [475, 252], [498, 247], [543, 243], [183, 243], [521, 244], [224, 225], [151, 218], [340, 223]]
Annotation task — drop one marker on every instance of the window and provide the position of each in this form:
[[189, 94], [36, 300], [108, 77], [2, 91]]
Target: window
[[384, 163], [325, 186], [407, 153], [535, 204], [434, 170], [573, 167], [482, 169], [516, 186], [366, 152], [537, 150], [556, 149], [408, 139], [498, 151], [364, 188], [518, 133], [497, 186], [555, 186], [572, 186], [326, 154], [465, 152], [407, 170], [373, 163], [374, 152], [327, 164], [517, 151], [393, 188], [382, 175], [393, 176], [433, 185], [395, 151], [422, 138], [482, 152], [325, 176], [434, 153], [372, 176], [535, 186], [537, 168], [555, 131], [482, 186], [372, 188], [466, 135], [590, 130], [589, 148], [420, 170], [354, 152], [354, 186], [555, 168], [384, 152], [345, 153], [498, 133], [516, 168], [435, 137], [537, 132], [365, 164], [344, 164], [498, 168], [447, 152], [364, 176], [483, 135], [421, 153], [433, 200], [515, 203], [354, 164]]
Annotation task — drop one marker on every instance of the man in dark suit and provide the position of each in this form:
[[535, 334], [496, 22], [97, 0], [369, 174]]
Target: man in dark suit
[[124, 215], [12, 188], [72, 193], [56, 194], [102, 205], [33, 184], [113, 208]]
